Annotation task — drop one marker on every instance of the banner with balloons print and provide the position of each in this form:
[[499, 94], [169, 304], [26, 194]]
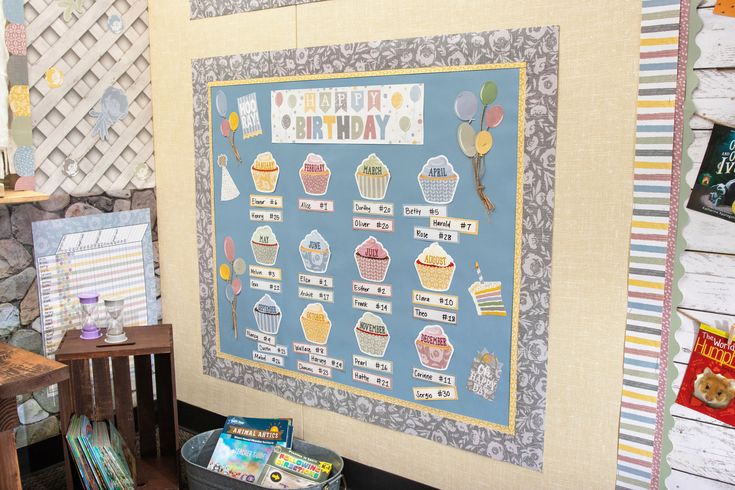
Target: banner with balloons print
[[375, 114]]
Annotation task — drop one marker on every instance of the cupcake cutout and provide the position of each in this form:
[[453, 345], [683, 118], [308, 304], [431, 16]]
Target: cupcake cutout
[[434, 349], [267, 315], [438, 180], [315, 252], [265, 172], [314, 175], [372, 177], [315, 323], [265, 245], [435, 268], [372, 335], [372, 260]]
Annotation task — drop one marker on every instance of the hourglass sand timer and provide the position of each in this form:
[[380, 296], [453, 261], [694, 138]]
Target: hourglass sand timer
[[115, 332], [89, 308]]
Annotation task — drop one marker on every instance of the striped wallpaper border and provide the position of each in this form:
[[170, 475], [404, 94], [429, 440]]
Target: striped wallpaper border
[[663, 50]]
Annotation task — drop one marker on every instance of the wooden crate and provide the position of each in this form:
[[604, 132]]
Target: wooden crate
[[100, 387]]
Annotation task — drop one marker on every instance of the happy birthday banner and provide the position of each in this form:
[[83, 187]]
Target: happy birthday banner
[[376, 114]]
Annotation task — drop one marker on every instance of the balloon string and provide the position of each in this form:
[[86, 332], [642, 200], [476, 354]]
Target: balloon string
[[478, 165], [234, 315], [234, 148]]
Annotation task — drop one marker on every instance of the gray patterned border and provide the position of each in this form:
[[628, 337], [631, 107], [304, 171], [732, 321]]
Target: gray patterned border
[[201, 9], [538, 47]]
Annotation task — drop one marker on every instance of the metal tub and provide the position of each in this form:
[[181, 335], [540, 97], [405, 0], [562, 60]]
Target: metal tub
[[197, 451]]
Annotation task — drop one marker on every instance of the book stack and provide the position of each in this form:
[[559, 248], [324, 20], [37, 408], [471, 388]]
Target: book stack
[[103, 459], [259, 451]]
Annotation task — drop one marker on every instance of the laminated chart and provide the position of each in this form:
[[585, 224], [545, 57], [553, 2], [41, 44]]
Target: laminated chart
[[107, 254]]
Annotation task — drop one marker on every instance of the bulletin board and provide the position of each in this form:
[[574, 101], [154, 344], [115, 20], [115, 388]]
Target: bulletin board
[[374, 229]]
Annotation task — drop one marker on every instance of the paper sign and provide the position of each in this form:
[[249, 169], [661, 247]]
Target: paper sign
[[249, 118], [311, 280], [372, 379], [372, 289], [262, 285], [369, 304], [374, 208], [273, 216], [432, 235], [260, 336], [372, 224], [268, 358], [316, 205], [373, 114], [423, 211], [261, 201], [438, 300], [371, 363], [725, 7], [281, 350], [262, 272], [308, 368], [434, 377], [466, 226], [327, 361], [313, 294], [435, 393], [300, 348], [434, 315]]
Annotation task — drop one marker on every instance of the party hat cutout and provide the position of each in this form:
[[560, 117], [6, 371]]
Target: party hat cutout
[[229, 189]]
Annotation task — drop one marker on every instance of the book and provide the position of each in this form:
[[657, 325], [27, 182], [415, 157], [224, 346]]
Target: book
[[714, 190], [100, 454], [245, 445], [288, 469], [266, 431], [89, 479], [708, 385]]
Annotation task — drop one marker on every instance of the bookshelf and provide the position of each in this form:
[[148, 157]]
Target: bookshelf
[[109, 397]]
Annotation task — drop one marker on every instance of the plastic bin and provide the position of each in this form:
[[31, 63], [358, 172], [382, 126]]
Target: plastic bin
[[198, 450]]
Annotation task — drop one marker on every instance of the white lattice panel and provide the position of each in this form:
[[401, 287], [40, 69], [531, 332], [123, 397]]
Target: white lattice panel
[[92, 58]]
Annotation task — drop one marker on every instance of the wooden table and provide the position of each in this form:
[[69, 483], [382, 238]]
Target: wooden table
[[20, 372], [112, 398]]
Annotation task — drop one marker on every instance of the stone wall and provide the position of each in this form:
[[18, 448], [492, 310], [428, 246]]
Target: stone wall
[[20, 324]]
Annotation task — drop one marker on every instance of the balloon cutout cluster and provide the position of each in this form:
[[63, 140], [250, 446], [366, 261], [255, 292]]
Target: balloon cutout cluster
[[229, 124], [477, 143], [229, 273]]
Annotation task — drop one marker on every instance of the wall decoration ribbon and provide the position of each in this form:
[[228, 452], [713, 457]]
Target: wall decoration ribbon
[[652, 243]]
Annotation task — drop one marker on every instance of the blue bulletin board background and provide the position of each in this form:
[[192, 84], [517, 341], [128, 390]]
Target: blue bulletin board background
[[494, 247]]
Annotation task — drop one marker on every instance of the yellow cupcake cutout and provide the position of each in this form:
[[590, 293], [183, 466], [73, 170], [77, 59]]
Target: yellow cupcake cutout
[[54, 77]]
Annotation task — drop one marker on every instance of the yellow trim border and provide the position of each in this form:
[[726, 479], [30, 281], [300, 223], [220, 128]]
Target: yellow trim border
[[510, 428]]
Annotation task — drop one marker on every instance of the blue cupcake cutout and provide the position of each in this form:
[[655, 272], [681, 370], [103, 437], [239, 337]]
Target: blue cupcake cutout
[[315, 252]]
